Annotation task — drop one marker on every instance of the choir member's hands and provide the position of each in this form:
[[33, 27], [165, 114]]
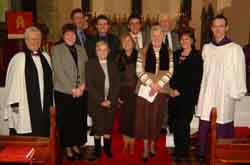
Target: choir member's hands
[[106, 104]]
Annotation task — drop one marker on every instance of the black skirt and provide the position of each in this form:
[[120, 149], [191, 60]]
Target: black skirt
[[72, 119]]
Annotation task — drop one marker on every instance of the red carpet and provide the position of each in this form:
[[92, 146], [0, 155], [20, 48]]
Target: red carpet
[[161, 158]]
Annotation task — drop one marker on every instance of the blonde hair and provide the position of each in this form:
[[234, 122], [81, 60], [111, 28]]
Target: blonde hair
[[101, 43]]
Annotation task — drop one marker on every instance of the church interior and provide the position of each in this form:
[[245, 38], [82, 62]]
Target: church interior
[[194, 15]]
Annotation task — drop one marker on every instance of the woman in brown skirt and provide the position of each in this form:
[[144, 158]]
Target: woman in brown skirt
[[126, 62], [154, 69]]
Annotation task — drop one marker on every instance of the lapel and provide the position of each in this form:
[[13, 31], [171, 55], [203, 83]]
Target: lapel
[[68, 57], [99, 70], [79, 57]]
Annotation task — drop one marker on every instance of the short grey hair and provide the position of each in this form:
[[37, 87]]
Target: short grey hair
[[165, 15], [29, 30]]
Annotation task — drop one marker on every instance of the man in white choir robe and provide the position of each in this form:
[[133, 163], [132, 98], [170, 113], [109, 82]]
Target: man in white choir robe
[[29, 89], [223, 83]]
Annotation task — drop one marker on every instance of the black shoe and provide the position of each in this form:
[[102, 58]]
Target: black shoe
[[202, 158], [70, 158], [144, 159], [107, 147], [164, 131], [98, 148], [78, 156], [151, 154]]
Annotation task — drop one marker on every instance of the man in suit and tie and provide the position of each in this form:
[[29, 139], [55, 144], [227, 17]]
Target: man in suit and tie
[[79, 20], [171, 39], [141, 38]]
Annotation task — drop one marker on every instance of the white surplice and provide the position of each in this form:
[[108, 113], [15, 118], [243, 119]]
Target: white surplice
[[16, 92], [223, 81]]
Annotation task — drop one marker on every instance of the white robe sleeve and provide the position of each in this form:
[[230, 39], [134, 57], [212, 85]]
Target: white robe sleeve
[[238, 83], [13, 84]]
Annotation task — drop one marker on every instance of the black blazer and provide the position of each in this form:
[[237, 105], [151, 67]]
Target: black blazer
[[187, 75]]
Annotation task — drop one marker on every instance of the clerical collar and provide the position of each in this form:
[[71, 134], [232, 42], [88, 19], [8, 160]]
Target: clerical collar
[[35, 53], [223, 42]]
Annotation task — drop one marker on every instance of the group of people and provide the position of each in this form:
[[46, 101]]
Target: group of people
[[93, 74]]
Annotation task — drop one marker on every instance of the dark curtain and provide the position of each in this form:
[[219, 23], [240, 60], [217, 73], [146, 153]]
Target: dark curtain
[[206, 18], [136, 7], [30, 5], [86, 6], [186, 8]]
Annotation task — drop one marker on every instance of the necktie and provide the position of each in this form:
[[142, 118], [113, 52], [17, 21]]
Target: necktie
[[166, 40], [136, 43], [83, 37]]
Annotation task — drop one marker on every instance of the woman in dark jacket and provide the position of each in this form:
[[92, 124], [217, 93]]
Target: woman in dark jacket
[[185, 85], [126, 62], [103, 87]]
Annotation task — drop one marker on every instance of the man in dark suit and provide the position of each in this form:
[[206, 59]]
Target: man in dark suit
[[171, 39], [79, 20], [103, 26]]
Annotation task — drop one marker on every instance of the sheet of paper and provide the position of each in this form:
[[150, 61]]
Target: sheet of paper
[[144, 93]]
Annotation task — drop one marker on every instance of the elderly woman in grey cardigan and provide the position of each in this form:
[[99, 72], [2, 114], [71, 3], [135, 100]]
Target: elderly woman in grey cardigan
[[68, 61]]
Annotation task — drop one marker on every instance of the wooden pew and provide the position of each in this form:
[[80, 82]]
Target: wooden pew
[[227, 151], [46, 149]]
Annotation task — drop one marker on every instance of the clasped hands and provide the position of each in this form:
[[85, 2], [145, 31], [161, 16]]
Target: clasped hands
[[106, 104], [78, 92], [154, 89]]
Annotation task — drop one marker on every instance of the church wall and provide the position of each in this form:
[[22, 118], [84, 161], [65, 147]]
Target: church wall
[[239, 21], [57, 12]]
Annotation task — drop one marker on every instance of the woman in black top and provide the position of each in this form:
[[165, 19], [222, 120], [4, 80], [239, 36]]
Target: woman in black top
[[185, 85]]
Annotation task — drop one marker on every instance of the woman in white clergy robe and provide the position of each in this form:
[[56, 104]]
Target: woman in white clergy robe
[[29, 88]]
